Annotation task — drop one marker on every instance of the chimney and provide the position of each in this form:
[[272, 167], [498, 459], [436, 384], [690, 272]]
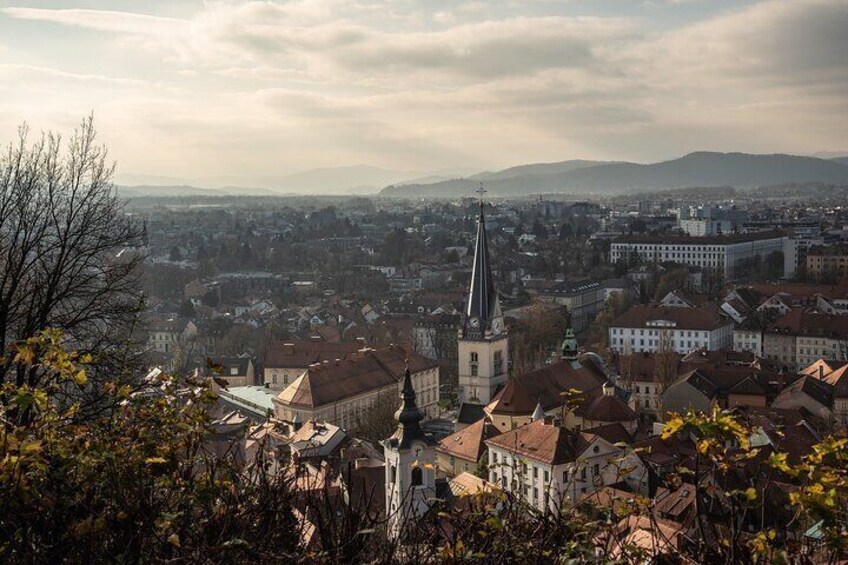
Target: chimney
[[781, 379], [821, 371]]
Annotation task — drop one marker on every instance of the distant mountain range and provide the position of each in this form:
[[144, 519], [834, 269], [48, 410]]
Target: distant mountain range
[[741, 170], [188, 190], [701, 169], [356, 179]]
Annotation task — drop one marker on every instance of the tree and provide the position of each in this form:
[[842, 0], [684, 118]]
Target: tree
[[666, 362], [138, 484], [378, 421], [187, 309], [674, 279], [69, 256]]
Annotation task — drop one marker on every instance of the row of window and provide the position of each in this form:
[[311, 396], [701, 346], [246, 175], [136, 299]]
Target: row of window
[[622, 331]]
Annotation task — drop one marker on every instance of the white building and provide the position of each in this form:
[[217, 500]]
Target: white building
[[410, 466], [720, 252], [653, 328], [748, 338], [548, 465]]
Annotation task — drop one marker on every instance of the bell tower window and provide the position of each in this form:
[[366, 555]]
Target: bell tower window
[[417, 477]]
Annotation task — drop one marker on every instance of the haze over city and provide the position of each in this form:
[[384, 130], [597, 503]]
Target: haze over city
[[249, 93]]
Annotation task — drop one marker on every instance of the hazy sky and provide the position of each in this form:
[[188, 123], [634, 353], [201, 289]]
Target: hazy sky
[[246, 92]]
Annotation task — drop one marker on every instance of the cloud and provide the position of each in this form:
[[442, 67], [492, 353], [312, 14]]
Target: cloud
[[101, 20], [778, 41], [398, 84]]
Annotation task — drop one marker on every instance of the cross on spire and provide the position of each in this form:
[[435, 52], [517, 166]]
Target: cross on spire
[[481, 191]]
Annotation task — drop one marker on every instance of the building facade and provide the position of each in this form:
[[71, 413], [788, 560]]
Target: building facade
[[722, 253], [347, 391], [657, 328]]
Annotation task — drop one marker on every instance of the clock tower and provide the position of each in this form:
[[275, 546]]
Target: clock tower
[[483, 345]]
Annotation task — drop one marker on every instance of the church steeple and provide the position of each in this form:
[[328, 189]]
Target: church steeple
[[409, 416], [483, 346], [482, 304], [410, 456], [569, 345]]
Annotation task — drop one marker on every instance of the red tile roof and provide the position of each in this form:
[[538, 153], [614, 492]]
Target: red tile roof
[[300, 354], [357, 374], [606, 408], [540, 441], [469, 442], [814, 324], [546, 385]]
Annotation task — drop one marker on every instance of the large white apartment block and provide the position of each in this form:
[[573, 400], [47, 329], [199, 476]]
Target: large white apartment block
[[721, 252], [656, 328]]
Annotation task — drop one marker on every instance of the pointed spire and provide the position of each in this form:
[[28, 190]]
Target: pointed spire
[[408, 415], [481, 293]]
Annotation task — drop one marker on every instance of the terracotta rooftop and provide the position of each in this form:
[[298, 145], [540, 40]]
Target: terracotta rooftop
[[521, 394], [838, 379], [301, 354], [613, 433], [469, 442], [606, 408], [363, 372], [820, 391], [539, 441], [814, 324]]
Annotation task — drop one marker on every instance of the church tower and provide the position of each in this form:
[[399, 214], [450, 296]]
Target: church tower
[[483, 345], [410, 465]]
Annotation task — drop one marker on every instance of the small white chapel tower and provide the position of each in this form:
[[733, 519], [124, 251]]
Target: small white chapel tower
[[410, 465]]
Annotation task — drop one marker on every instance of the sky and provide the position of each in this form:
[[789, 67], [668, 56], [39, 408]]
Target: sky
[[247, 92]]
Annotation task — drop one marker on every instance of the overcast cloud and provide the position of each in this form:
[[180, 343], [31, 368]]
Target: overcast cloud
[[246, 92]]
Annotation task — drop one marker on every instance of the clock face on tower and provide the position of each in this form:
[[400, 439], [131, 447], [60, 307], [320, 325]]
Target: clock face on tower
[[497, 325], [474, 322]]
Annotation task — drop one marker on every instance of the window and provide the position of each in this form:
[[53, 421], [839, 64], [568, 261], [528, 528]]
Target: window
[[547, 477], [535, 472], [596, 470], [393, 474], [417, 477], [535, 493], [473, 356]]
